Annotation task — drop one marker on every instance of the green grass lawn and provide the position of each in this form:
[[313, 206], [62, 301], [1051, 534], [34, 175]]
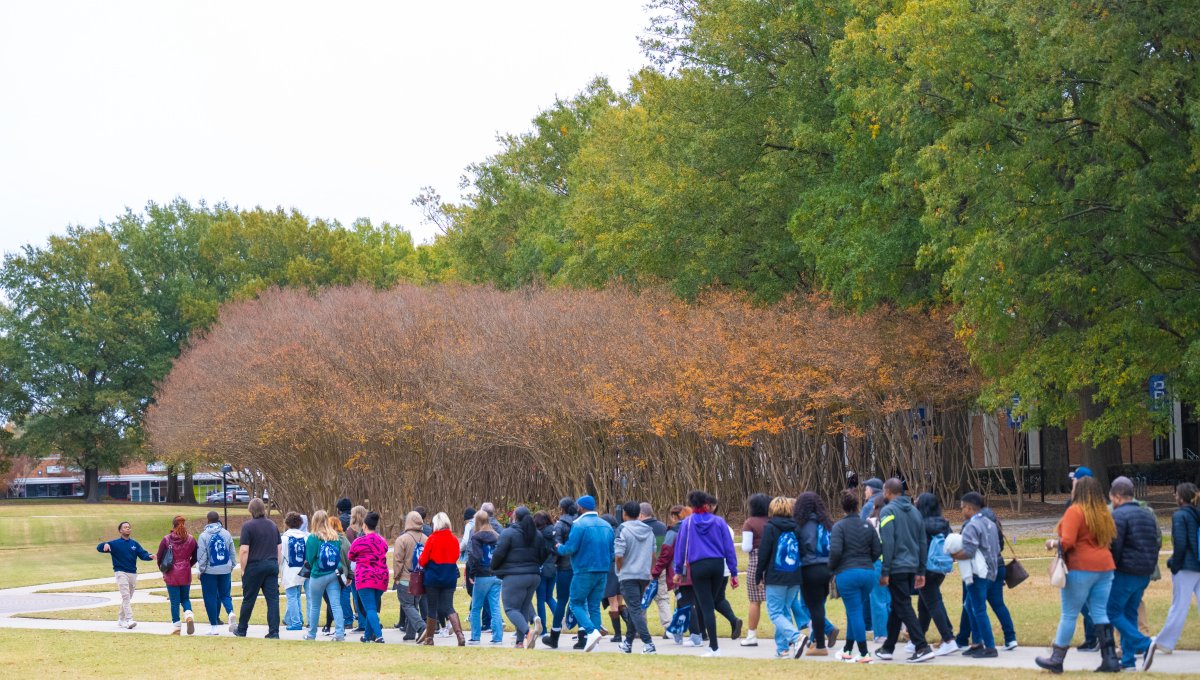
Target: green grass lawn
[[65, 654]]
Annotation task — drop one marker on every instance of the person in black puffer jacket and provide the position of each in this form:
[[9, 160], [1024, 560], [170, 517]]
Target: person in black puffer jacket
[[782, 580], [1135, 553], [549, 569], [854, 547], [930, 606], [518, 561]]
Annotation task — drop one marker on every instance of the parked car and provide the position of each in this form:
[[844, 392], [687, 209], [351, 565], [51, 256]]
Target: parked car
[[235, 494]]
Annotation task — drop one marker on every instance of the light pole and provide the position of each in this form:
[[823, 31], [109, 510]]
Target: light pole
[[225, 470]]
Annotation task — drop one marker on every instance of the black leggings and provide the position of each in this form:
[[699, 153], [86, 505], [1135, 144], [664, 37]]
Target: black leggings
[[441, 602], [708, 581], [814, 590]]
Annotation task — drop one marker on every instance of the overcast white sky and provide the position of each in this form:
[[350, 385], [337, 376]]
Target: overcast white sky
[[342, 110]]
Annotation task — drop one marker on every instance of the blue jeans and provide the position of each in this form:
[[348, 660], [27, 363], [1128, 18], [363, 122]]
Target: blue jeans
[[486, 591], [370, 599], [976, 607], [214, 588], [562, 585], [1123, 601], [318, 586], [293, 616], [995, 598], [181, 596], [855, 586], [1083, 587], [348, 596], [587, 589], [545, 594], [780, 611], [881, 603]]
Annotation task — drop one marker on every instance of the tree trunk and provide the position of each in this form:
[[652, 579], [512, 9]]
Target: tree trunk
[[189, 489], [1055, 461], [1098, 456], [91, 485], [172, 484]]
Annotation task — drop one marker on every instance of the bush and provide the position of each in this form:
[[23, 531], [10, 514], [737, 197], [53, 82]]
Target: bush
[[1160, 473]]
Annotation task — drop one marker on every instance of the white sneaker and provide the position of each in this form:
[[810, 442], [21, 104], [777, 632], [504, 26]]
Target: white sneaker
[[1009, 646], [947, 647], [694, 641], [190, 620], [711, 654], [232, 622], [751, 639], [214, 630], [800, 645], [593, 639], [910, 649]]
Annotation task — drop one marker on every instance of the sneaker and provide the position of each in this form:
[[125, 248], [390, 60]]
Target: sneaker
[[625, 647], [497, 642], [1148, 655], [881, 654], [649, 648], [845, 656], [678, 637], [472, 642], [1010, 645], [800, 646], [593, 639], [294, 628], [693, 641], [711, 654], [232, 622], [988, 653], [309, 638], [910, 649], [190, 622], [946, 648], [785, 654], [817, 651], [238, 633], [864, 659], [378, 641], [131, 625], [537, 632], [831, 637], [973, 651], [751, 639], [879, 640], [271, 636], [214, 630], [616, 639], [174, 630], [737, 629], [925, 654]]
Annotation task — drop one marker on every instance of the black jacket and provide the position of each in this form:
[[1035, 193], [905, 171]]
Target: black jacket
[[517, 555], [550, 564], [562, 531], [1135, 547], [1184, 553], [935, 526], [808, 544], [767, 574], [853, 544], [902, 532], [480, 542]]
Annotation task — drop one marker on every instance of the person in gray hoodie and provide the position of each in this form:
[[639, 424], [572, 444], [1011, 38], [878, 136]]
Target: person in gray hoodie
[[214, 559], [979, 535], [902, 531], [634, 550]]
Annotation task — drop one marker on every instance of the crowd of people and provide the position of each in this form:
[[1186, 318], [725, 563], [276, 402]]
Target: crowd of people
[[535, 569]]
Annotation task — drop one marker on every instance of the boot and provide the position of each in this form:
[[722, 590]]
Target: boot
[[1055, 662], [456, 626], [1110, 661], [580, 641], [615, 617], [426, 637], [551, 639]]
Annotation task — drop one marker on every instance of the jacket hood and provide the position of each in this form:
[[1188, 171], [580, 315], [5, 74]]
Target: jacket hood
[[412, 521], [176, 539], [705, 523], [937, 525], [783, 523], [903, 504], [484, 536], [215, 526], [638, 529]]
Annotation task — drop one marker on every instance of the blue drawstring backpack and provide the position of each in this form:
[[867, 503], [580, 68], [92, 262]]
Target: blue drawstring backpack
[[680, 620], [569, 620], [648, 596]]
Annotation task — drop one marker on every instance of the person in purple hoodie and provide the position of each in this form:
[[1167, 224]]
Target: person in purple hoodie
[[369, 555], [703, 550]]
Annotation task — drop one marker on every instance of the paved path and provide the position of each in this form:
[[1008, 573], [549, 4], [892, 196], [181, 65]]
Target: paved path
[[14, 601]]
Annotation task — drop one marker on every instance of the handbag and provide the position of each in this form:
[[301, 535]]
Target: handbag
[[833, 591], [1014, 572], [416, 582], [306, 570], [1058, 570], [168, 558]]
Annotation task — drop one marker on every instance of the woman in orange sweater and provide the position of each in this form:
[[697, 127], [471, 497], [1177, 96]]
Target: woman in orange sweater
[[1084, 534]]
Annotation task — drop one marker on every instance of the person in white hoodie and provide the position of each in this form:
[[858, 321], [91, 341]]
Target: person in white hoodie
[[294, 542], [214, 559], [633, 549]]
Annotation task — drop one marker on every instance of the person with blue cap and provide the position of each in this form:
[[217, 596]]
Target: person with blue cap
[[590, 546], [1090, 642]]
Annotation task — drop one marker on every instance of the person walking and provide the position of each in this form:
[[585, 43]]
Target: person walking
[[295, 541], [485, 585], [368, 554], [568, 511], [995, 596], [930, 605], [612, 592], [854, 550], [662, 593], [1085, 534], [323, 556], [176, 555], [1184, 565], [590, 546], [518, 559], [779, 572], [902, 533], [752, 531], [704, 550], [634, 550], [549, 570], [1135, 554], [979, 536], [259, 557], [813, 519], [214, 560], [406, 552], [881, 599], [124, 553], [664, 569], [354, 613], [439, 559]]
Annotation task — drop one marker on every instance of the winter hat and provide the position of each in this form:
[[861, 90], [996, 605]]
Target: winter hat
[[587, 503], [875, 483], [468, 514]]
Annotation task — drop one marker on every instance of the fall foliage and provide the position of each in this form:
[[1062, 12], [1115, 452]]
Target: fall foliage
[[448, 395]]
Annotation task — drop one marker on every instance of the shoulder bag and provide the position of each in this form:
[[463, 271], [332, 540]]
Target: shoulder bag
[[1014, 572], [1058, 569], [168, 558]]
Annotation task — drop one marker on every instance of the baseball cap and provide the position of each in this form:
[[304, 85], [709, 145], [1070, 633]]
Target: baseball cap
[[1081, 472]]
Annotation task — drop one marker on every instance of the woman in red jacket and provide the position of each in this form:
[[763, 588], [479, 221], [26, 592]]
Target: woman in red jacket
[[178, 574], [439, 559]]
